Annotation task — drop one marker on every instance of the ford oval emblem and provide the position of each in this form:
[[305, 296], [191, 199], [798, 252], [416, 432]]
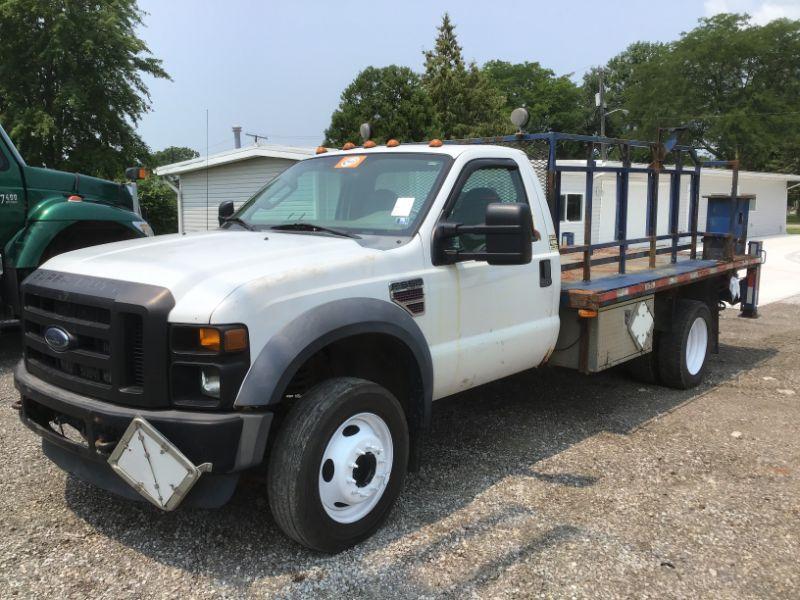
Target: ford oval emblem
[[58, 339]]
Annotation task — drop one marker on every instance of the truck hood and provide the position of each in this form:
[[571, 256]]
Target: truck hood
[[202, 269], [44, 183]]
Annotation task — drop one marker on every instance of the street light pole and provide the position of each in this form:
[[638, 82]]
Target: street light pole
[[602, 96]]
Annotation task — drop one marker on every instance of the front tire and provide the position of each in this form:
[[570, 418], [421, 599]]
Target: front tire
[[682, 351], [338, 464]]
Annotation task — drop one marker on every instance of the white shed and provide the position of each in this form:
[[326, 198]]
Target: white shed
[[203, 183], [767, 212]]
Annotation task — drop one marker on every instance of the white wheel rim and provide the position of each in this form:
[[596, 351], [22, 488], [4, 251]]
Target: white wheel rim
[[355, 468], [696, 345]]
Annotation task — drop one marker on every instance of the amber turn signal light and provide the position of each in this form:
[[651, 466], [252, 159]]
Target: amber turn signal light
[[210, 339], [587, 313], [236, 340]]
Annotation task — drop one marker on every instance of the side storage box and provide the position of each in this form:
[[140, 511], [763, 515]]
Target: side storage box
[[618, 333]]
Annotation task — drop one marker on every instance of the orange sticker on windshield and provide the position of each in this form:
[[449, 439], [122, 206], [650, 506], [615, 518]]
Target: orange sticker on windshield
[[350, 162]]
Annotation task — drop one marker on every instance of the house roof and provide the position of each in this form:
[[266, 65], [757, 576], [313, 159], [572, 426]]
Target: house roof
[[236, 155]]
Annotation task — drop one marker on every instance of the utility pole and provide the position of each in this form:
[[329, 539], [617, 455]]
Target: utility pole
[[601, 95]]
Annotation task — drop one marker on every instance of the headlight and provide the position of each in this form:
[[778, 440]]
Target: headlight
[[208, 364], [144, 227], [209, 381]]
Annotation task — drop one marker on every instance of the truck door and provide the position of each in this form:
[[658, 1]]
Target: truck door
[[507, 314], [12, 195]]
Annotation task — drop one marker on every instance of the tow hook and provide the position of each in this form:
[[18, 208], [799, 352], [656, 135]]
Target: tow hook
[[104, 446]]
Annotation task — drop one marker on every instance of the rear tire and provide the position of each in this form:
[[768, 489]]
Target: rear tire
[[338, 464], [682, 351]]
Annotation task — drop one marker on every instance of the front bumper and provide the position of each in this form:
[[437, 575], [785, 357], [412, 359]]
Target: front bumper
[[230, 441]]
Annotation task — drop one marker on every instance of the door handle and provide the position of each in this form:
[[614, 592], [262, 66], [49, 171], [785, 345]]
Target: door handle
[[545, 276]]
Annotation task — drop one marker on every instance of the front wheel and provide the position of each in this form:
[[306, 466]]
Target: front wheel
[[338, 464]]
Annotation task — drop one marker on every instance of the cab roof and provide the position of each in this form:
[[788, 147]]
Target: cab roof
[[453, 150]]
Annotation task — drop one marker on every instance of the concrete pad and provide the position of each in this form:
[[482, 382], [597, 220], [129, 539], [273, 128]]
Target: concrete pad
[[780, 275]]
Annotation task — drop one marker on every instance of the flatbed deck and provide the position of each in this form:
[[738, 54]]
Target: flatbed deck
[[609, 287]]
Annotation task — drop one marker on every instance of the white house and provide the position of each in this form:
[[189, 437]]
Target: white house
[[203, 183], [767, 211]]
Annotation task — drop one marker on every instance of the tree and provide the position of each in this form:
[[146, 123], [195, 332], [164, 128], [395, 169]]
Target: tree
[[159, 205], [553, 103], [169, 155], [620, 74], [733, 84], [391, 99], [465, 103], [71, 87]]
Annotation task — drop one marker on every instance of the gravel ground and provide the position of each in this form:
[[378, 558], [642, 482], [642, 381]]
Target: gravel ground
[[545, 484]]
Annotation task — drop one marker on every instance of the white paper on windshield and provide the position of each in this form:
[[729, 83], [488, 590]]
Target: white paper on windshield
[[402, 207]]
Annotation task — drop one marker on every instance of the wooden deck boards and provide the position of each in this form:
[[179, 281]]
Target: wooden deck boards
[[608, 286]]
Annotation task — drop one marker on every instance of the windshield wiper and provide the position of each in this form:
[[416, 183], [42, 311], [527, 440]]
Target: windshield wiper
[[300, 226], [241, 222]]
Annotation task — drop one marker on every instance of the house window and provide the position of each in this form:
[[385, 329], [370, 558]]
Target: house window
[[571, 207], [752, 205]]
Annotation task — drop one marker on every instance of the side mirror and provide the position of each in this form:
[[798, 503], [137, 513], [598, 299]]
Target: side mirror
[[224, 211], [513, 248], [136, 173], [509, 234]]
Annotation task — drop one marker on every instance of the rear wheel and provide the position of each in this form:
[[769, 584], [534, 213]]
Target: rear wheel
[[682, 351], [338, 464]]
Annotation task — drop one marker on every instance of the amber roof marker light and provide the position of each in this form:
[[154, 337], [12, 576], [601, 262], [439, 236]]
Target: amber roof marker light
[[436, 143], [348, 146], [392, 143], [321, 150]]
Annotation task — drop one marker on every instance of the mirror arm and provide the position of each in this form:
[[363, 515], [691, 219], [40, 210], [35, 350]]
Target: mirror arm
[[451, 230]]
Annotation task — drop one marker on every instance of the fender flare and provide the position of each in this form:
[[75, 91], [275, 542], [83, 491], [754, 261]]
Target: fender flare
[[284, 354], [39, 234]]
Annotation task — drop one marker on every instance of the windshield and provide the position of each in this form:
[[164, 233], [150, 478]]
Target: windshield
[[376, 193]]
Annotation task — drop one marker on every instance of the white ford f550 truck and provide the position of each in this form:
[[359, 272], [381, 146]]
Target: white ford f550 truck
[[313, 330]]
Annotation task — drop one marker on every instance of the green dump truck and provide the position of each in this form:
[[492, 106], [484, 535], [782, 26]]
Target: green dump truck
[[44, 212]]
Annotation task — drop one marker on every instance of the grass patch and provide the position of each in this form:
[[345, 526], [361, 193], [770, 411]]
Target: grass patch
[[793, 224]]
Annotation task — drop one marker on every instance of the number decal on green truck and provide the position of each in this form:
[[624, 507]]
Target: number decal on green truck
[[8, 198]]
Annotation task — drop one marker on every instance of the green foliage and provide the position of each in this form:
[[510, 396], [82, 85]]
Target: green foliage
[[620, 74], [394, 94], [159, 205], [554, 103], [71, 87], [169, 155], [734, 84], [465, 102]]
